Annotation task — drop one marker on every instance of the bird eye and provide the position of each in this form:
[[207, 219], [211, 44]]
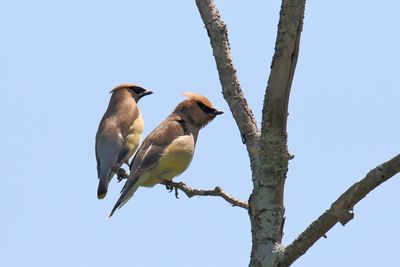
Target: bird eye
[[137, 90], [204, 108]]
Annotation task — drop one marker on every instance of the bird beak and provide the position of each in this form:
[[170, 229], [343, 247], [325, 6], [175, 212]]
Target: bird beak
[[218, 112], [147, 92]]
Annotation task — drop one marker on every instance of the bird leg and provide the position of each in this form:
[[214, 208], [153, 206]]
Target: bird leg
[[121, 174]]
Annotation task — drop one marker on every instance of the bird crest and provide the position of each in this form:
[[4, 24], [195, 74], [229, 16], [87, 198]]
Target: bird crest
[[122, 86], [198, 98]]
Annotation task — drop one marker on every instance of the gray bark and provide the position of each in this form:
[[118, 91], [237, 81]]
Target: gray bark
[[231, 89], [266, 201]]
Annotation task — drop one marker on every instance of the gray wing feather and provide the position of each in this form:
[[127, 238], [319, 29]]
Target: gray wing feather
[[108, 148], [147, 157]]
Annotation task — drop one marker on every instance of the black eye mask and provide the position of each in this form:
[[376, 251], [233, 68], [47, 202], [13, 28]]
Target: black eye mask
[[205, 109], [138, 90]]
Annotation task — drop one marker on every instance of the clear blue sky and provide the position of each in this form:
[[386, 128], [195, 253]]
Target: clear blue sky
[[58, 61]]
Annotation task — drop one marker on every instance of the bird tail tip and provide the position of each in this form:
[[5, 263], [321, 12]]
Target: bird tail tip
[[113, 210], [102, 189]]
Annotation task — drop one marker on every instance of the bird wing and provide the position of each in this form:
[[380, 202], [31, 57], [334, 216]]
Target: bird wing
[[97, 156], [108, 147], [148, 156], [113, 128]]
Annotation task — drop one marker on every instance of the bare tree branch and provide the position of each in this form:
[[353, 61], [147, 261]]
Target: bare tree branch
[[341, 210], [266, 201], [276, 100], [191, 192], [233, 94], [216, 192]]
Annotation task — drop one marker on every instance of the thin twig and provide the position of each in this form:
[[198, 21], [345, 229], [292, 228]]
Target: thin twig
[[341, 210], [216, 192]]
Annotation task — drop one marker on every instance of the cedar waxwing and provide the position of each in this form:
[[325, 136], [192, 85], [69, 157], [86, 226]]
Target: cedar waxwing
[[168, 150], [119, 133]]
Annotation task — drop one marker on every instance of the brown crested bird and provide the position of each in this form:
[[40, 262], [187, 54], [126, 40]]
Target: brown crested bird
[[168, 150], [119, 133]]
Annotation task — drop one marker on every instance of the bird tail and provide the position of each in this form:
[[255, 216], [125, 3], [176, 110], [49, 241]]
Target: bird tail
[[127, 192], [104, 181]]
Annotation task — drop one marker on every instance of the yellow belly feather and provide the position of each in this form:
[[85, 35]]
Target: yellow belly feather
[[175, 160], [132, 140]]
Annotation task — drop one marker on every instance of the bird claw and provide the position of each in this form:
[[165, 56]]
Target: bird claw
[[121, 174], [169, 185], [176, 193]]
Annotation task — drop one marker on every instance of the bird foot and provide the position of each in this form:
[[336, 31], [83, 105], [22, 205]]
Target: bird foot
[[169, 185], [121, 174]]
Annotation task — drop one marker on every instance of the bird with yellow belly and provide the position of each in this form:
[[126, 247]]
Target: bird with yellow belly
[[168, 150], [119, 132]]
